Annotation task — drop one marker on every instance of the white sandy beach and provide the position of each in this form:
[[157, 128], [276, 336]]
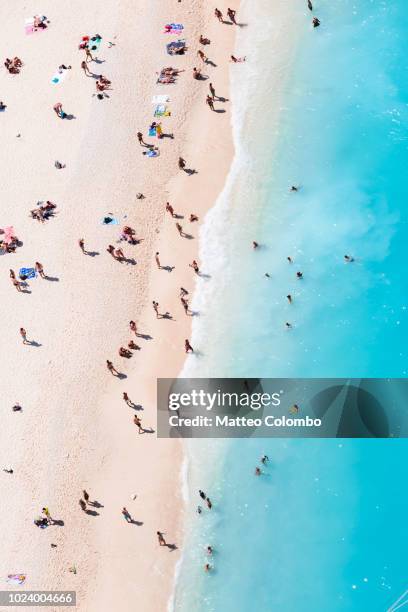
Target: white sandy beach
[[75, 431]]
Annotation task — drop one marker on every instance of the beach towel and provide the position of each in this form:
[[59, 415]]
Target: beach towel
[[173, 28], [161, 110], [91, 42], [16, 578], [29, 25], [152, 153], [152, 131], [27, 273], [176, 45], [109, 220], [58, 77], [160, 99]]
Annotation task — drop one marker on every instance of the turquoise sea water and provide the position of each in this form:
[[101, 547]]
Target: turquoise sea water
[[324, 528]]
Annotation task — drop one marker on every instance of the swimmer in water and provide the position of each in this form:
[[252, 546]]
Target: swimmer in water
[[348, 258], [209, 550], [264, 459], [258, 471]]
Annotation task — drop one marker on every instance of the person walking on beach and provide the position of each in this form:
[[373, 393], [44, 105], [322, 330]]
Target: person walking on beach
[[126, 515], [231, 14], [195, 267], [133, 327], [127, 400], [212, 91], [58, 110], [81, 243], [180, 229], [111, 368], [111, 250], [158, 264], [187, 346], [210, 102], [40, 269], [140, 139], [185, 304], [169, 207], [218, 15], [85, 495], [183, 292], [181, 163], [138, 422], [16, 284], [89, 57], [156, 308], [202, 56], [23, 334], [161, 539], [12, 274], [85, 68]]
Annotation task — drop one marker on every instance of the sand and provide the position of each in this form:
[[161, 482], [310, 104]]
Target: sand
[[75, 431]]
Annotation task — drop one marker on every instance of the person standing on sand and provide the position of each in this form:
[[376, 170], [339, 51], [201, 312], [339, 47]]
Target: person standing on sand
[[187, 346], [195, 267], [89, 57], [169, 207], [161, 539], [111, 250], [138, 421], [85, 68], [133, 327], [202, 56], [179, 229], [231, 14], [127, 399], [212, 91], [12, 274], [81, 243], [47, 514], [183, 292], [58, 110], [40, 269], [140, 139], [126, 515], [156, 308], [82, 505], [85, 495], [181, 163], [16, 284], [111, 368], [218, 15], [185, 304], [210, 102], [158, 264], [23, 334], [196, 74]]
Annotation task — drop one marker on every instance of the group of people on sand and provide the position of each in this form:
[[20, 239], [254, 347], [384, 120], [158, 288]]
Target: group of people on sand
[[13, 65], [43, 212]]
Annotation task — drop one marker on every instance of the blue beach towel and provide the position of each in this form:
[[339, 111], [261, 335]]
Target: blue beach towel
[[108, 220], [27, 273]]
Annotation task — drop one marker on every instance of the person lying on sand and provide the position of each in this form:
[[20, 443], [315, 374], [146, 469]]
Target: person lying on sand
[[204, 41], [237, 60], [14, 65]]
